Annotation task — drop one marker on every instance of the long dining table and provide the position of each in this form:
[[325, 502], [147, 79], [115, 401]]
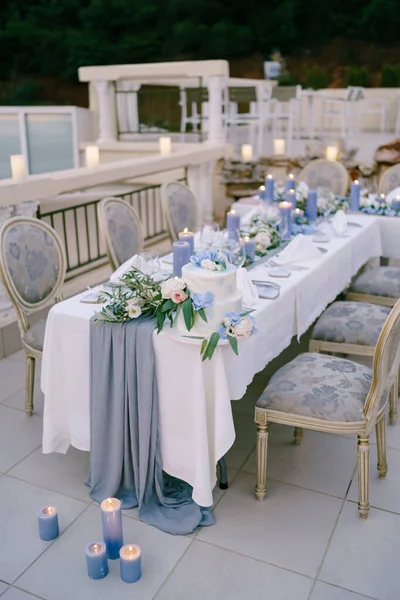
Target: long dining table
[[196, 425]]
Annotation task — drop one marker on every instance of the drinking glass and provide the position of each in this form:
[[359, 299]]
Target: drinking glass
[[150, 262], [209, 234], [235, 252]]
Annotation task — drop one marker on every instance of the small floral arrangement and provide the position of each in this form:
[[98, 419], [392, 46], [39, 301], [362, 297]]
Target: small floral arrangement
[[376, 206], [210, 260], [234, 328], [265, 235]]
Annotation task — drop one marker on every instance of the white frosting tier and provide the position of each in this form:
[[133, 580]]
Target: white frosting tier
[[227, 298]]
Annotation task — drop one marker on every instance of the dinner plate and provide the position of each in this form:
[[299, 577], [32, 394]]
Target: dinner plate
[[268, 291]]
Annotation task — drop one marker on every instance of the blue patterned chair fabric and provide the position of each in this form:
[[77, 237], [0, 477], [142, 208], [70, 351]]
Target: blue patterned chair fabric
[[351, 323], [325, 175], [33, 261], [35, 335], [182, 208], [123, 231], [382, 281], [319, 386]]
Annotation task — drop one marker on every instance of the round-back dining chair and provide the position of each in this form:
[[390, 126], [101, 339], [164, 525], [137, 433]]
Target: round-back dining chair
[[331, 394], [326, 174], [122, 230], [180, 208], [32, 269], [389, 180]]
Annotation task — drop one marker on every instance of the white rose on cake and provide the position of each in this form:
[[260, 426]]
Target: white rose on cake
[[174, 284], [210, 265]]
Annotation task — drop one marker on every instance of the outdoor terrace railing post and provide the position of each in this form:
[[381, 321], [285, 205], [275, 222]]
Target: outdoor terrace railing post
[[216, 84], [106, 111], [200, 178]]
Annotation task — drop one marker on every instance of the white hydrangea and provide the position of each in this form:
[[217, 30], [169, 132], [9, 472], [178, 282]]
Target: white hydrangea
[[263, 238], [209, 265], [174, 284]]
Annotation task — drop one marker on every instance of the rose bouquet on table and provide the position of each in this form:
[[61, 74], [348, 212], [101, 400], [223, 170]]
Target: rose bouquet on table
[[265, 235]]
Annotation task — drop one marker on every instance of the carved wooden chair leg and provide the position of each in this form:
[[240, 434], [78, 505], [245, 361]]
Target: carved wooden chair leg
[[393, 401], [30, 382], [262, 448], [297, 436], [380, 429], [363, 475]]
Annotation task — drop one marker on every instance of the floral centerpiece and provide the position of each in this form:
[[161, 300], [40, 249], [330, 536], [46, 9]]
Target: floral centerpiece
[[265, 235], [140, 294], [375, 205]]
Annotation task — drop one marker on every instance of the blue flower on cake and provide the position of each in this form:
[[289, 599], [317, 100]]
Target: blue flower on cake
[[210, 260], [237, 326], [200, 301]]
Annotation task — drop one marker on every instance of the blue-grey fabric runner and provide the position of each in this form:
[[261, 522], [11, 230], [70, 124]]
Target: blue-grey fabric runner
[[125, 456]]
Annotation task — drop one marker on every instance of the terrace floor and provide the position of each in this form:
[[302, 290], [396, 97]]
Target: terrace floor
[[305, 542]]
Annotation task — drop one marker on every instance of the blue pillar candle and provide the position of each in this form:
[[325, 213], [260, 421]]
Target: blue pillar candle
[[290, 183], [269, 187], [381, 198], [250, 248], [261, 192], [130, 563], [187, 236], [181, 256], [311, 205], [396, 204], [48, 523], [232, 220], [111, 517], [285, 225], [96, 560], [290, 196], [355, 192]]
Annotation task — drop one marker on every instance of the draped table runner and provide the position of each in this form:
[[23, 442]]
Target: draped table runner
[[195, 418]]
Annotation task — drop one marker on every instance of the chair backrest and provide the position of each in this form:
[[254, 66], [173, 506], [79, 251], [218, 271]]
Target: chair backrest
[[32, 264], [390, 179], [122, 230], [285, 93], [180, 208], [326, 174], [385, 365]]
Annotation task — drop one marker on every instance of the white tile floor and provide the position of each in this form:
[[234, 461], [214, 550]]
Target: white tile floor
[[305, 542]]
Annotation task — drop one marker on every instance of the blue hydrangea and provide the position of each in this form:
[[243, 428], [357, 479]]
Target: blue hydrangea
[[200, 301], [222, 333], [212, 255], [234, 318]]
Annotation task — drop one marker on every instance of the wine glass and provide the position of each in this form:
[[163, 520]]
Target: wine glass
[[209, 234], [150, 263], [235, 252]]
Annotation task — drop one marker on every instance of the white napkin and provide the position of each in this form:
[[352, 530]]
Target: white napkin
[[135, 261], [248, 289], [300, 249], [339, 223]]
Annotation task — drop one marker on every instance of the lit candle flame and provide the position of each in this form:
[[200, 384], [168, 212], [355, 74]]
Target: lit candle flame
[[291, 176], [233, 212], [356, 181], [185, 230], [269, 176], [49, 510]]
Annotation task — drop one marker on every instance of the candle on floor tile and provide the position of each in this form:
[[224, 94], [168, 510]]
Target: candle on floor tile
[[285, 225], [355, 191], [96, 560], [396, 203], [247, 153], [187, 236], [311, 205], [279, 147], [290, 183], [290, 196], [269, 187], [48, 523], [181, 256], [249, 246], [130, 563], [111, 517]]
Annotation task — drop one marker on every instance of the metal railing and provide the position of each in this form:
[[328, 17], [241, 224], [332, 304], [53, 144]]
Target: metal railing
[[78, 227]]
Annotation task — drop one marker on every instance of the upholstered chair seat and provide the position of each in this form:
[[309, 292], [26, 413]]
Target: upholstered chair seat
[[319, 386], [382, 281], [35, 335], [351, 323]]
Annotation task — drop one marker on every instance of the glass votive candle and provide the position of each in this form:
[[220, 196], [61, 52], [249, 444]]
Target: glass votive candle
[[130, 563], [250, 248], [96, 560], [48, 523]]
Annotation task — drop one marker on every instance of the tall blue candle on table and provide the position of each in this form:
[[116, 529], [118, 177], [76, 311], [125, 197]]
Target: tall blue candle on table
[[187, 236], [290, 196], [48, 523], [285, 225], [261, 192], [96, 560], [249, 247], [290, 183], [181, 256], [311, 205], [395, 205], [232, 220], [269, 187], [355, 192], [130, 563], [111, 517]]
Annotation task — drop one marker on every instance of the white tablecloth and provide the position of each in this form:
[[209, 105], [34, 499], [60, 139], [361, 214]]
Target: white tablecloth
[[195, 419]]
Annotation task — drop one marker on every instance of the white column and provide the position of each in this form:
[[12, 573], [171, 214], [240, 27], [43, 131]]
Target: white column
[[6, 308], [215, 86], [106, 110], [133, 110], [200, 181]]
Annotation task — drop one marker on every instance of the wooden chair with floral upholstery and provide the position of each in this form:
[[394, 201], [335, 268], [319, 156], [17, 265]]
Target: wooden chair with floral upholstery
[[331, 394], [32, 269], [323, 173], [380, 285], [180, 208], [389, 180], [122, 230]]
